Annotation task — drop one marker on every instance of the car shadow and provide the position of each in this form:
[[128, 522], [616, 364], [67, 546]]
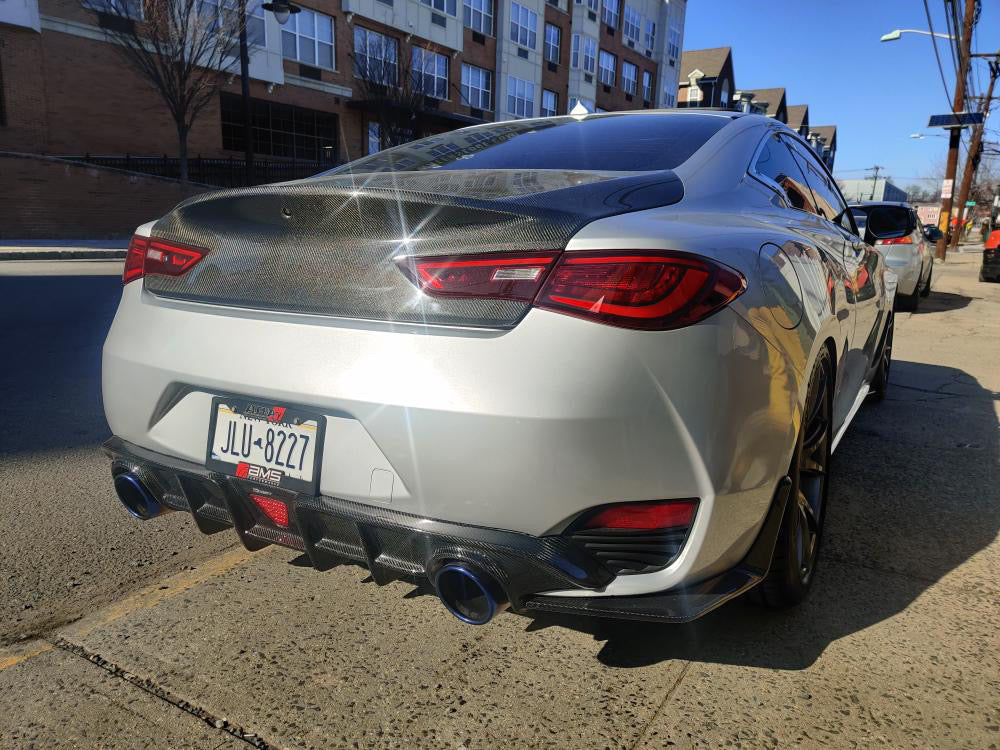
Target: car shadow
[[913, 498], [51, 337], [943, 302]]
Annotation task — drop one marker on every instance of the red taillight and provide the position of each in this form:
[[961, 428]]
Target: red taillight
[[907, 240], [646, 290], [644, 516], [148, 255], [499, 275], [276, 510], [651, 291]]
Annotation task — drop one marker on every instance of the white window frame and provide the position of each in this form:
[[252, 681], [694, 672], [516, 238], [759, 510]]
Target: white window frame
[[631, 23], [604, 74], [303, 40], [443, 6], [256, 27], [553, 98], [431, 72], [385, 43], [609, 12], [523, 26], [477, 85], [478, 16], [650, 34], [647, 86], [630, 85], [674, 39], [520, 97], [588, 104], [552, 49], [584, 53]]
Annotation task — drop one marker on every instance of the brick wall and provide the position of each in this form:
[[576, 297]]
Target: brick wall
[[47, 198]]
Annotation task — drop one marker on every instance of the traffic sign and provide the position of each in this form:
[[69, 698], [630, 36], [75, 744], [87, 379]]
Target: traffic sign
[[970, 204]]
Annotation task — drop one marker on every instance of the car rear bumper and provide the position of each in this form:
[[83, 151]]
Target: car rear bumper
[[397, 546]]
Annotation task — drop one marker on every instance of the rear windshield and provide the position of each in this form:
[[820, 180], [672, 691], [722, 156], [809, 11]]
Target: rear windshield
[[611, 143], [891, 219]]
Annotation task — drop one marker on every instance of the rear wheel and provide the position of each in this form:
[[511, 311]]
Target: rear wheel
[[794, 561], [909, 302]]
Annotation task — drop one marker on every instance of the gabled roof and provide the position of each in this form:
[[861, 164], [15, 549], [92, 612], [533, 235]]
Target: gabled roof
[[797, 115], [827, 132], [708, 61], [773, 98]]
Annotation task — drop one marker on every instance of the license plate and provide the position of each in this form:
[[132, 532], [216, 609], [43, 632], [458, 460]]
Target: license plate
[[267, 444]]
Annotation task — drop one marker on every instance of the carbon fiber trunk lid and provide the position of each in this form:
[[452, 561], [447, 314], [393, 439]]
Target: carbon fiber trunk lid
[[326, 245]]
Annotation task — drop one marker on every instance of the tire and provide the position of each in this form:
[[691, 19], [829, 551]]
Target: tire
[[880, 382], [793, 564], [927, 286], [909, 302]]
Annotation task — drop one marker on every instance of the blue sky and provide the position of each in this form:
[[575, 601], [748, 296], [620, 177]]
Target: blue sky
[[828, 55]]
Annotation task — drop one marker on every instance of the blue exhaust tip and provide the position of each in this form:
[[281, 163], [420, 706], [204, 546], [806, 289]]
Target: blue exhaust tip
[[136, 497], [473, 597]]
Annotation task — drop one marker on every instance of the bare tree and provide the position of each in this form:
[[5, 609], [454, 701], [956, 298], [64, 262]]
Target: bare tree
[[390, 86], [181, 47]]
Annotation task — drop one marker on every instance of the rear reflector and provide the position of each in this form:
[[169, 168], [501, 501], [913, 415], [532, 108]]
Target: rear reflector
[[650, 291], [148, 255], [644, 516], [276, 510], [496, 275], [907, 240]]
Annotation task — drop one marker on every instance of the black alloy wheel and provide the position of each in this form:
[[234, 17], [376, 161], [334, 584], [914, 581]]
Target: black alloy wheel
[[797, 547], [880, 382]]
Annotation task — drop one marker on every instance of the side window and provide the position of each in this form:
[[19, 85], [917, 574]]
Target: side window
[[829, 204], [776, 163]]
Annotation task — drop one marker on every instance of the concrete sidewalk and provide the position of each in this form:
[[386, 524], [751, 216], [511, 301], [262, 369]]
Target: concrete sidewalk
[[85, 249]]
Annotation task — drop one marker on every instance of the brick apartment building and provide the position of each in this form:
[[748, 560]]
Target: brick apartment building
[[64, 91]]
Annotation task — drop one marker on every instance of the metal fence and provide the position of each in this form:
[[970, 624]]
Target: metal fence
[[229, 172]]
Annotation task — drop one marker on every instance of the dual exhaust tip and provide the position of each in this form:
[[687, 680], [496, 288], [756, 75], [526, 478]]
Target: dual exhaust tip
[[471, 595]]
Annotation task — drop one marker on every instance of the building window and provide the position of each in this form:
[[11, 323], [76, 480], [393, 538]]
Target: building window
[[674, 40], [669, 100], [477, 86], [630, 77], [520, 97], [553, 38], [609, 13], [375, 56], [631, 23], [693, 94], [478, 15], [647, 86], [212, 8], [586, 103], [724, 99], [606, 69], [650, 35], [280, 129], [550, 103], [430, 72], [523, 26], [374, 137], [586, 47], [443, 6], [308, 38]]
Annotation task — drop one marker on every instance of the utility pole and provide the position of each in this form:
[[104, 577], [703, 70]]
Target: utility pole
[[975, 151], [876, 169], [955, 134]]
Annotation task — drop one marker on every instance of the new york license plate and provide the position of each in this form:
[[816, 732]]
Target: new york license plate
[[264, 443]]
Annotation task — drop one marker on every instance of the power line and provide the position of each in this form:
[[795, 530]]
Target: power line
[[937, 54]]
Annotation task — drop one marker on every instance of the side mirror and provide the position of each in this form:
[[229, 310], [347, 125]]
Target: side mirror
[[932, 233], [887, 223]]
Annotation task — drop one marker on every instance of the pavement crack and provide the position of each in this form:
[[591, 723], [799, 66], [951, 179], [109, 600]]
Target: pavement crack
[[667, 696], [162, 694]]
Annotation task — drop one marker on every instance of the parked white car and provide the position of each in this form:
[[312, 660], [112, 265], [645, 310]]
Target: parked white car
[[907, 251]]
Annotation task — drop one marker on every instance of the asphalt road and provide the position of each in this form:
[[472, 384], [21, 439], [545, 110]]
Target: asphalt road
[[898, 646]]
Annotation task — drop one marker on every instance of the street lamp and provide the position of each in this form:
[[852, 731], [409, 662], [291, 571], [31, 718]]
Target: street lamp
[[894, 35], [282, 10]]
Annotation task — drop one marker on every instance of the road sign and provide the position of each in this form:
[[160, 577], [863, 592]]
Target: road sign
[[956, 120], [946, 186], [970, 204]]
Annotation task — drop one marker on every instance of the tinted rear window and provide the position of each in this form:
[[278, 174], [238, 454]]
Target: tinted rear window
[[613, 143], [890, 219]]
